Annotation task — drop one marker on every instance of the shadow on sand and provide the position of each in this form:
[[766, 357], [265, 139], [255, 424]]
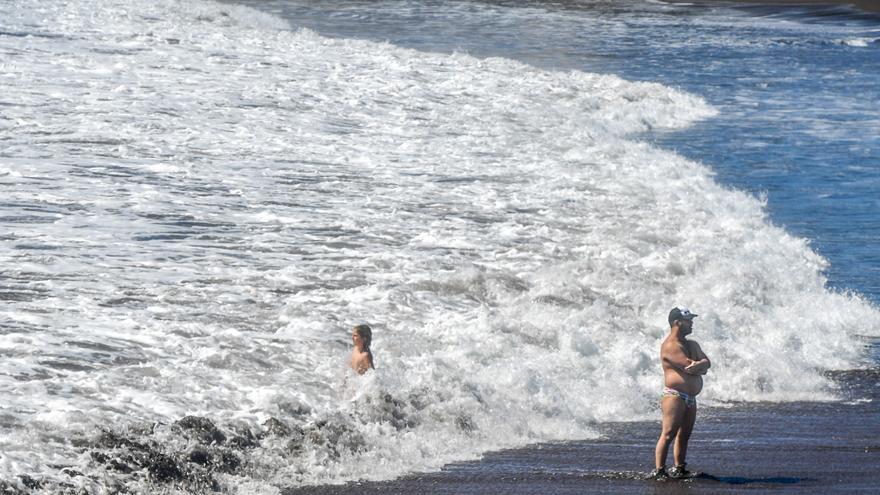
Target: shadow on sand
[[696, 478]]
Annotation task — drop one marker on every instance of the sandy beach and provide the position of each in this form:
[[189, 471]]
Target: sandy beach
[[793, 448]]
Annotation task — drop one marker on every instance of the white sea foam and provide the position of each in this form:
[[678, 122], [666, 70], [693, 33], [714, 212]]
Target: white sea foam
[[199, 204], [858, 42]]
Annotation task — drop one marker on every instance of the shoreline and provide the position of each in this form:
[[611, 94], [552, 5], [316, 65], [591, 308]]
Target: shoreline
[[794, 448], [871, 6]]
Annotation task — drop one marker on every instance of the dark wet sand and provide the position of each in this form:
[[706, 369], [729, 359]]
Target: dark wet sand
[[794, 448]]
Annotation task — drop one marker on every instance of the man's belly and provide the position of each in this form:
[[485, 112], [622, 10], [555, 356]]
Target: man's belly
[[689, 384]]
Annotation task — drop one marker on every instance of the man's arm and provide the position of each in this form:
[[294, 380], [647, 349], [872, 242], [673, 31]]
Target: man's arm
[[672, 354], [702, 364]]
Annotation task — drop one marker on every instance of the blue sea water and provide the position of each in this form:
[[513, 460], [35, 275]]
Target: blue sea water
[[797, 89]]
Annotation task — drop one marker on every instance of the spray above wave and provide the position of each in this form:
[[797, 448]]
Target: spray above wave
[[235, 196]]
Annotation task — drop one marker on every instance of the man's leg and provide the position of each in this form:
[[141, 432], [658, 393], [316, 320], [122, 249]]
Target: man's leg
[[679, 453], [674, 410]]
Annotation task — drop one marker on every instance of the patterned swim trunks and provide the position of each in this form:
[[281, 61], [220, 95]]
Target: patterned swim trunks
[[689, 400]]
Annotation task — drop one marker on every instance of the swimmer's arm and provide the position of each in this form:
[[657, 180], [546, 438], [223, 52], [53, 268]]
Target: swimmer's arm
[[702, 364], [673, 356]]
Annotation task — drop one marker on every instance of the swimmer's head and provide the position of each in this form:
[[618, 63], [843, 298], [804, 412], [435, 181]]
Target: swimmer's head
[[680, 314], [365, 333]]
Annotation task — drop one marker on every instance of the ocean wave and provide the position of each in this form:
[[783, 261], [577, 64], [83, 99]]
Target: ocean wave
[[860, 42]]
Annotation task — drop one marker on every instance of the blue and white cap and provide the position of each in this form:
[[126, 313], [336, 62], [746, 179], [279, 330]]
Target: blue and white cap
[[678, 313]]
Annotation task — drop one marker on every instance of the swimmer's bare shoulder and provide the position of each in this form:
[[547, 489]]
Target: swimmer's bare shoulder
[[362, 362]]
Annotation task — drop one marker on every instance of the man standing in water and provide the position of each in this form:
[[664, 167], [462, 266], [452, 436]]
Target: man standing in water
[[684, 363]]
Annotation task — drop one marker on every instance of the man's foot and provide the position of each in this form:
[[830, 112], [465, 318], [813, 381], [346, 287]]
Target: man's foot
[[679, 471], [658, 474]]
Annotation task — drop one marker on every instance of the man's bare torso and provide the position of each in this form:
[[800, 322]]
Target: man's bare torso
[[676, 378]]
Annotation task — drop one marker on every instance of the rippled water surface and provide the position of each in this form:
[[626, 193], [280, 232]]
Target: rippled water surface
[[795, 86]]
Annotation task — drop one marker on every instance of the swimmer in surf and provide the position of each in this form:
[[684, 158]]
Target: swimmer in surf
[[361, 356], [684, 363]]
